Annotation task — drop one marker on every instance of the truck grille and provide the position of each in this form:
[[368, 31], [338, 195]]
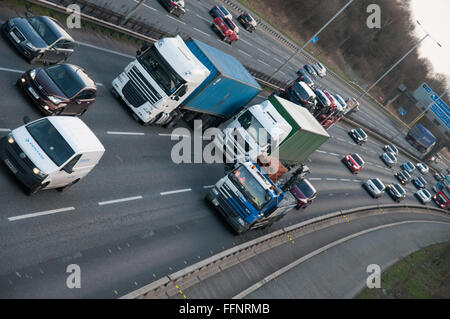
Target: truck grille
[[132, 95], [228, 193], [141, 85]]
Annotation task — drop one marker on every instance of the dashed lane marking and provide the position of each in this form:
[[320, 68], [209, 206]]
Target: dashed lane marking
[[202, 32], [182, 22], [121, 200], [47, 212], [243, 52], [176, 191], [125, 133]]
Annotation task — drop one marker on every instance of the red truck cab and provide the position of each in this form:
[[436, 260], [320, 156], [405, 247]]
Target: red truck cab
[[226, 29]]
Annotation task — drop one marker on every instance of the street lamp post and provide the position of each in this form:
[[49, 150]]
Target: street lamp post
[[306, 43], [398, 62]]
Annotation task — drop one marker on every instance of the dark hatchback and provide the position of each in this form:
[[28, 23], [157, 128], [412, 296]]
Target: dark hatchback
[[304, 192], [61, 89], [358, 135], [39, 39], [419, 182], [396, 192], [310, 69], [403, 177], [304, 76]]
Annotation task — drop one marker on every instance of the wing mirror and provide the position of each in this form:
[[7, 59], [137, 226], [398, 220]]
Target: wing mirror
[[26, 119]]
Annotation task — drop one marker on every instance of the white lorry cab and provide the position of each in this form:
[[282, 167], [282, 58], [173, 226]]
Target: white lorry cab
[[51, 152], [158, 81], [255, 130]]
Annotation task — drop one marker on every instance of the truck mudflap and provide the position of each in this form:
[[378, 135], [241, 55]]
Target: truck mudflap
[[221, 205]]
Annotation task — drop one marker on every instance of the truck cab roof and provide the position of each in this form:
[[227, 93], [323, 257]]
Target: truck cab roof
[[182, 60]]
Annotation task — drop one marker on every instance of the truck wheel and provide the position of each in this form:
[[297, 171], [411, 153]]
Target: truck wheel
[[62, 189]]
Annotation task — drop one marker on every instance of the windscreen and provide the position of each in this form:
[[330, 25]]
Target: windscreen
[[49, 139], [255, 129], [66, 79], [43, 30], [377, 184], [306, 188], [357, 159], [361, 132], [250, 187], [301, 93], [158, 69]]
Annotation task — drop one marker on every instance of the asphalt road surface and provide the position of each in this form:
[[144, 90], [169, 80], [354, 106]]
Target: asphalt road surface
[[137, 216]]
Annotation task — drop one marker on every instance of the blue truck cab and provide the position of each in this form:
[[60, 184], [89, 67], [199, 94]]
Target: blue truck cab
[[244, 195]]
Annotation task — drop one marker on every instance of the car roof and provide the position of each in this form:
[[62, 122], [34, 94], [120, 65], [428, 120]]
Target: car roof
[[56, 27]]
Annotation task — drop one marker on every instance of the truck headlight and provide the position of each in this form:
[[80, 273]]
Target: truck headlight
[[30, 46], [10, 139], [215, 191], [241, 221]]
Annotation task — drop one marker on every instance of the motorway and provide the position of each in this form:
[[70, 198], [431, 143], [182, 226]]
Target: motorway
[[258, 50], [137, 216]]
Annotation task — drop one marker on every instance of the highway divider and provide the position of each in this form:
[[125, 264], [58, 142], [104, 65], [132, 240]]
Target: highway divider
[[174, 283]]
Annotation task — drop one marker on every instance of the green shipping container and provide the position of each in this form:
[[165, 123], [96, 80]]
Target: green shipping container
[[307, 134]]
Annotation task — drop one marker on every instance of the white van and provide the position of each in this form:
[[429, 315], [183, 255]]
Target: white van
[[51, 152]]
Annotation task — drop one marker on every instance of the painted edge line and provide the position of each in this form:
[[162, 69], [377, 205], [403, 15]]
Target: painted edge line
[[11, 70], [176, 191], [124, 133], [47, 212], [115, 201], [5, 130]]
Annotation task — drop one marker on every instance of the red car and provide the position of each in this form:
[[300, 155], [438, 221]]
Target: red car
[[354, 162], [226, 29]]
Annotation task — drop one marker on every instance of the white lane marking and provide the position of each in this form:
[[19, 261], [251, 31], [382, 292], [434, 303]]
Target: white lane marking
[[47, 212], [263, 62], [315, 179], [356, 180], [125, 133], [334, 154], [5, 130], [175, 19], [98, 84], [263, 52], [106, 50], [345, 180], [207, 20], [331, 179], [202, 32], [173, 135], [323, 152], [176, 191], [208, 186], [11, 70], [278, 60], [245, 41], [115, 201], [243, 52]]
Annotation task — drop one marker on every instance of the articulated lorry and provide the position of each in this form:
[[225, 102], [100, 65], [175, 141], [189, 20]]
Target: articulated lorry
[[421, 138], [248, 199], [275, 127], [172, 79]]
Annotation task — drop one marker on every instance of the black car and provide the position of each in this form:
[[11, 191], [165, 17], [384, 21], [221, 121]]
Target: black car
[[396, 192], [39, 38], [61, 89], [304, 76], [358, 135], [310, 69], [403, 177], [175, 7], [419, 182], [247, 21]]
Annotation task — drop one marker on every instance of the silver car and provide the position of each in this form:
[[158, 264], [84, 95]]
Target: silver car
[[423, 195], [423, 168], [375, 187], [320, 69], [389, 159], [390, 148]]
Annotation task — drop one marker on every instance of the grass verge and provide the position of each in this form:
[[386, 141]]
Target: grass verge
[[425, 274]]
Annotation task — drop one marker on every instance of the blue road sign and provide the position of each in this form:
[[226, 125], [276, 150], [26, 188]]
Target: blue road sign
[[440, 109], [315, 39]]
